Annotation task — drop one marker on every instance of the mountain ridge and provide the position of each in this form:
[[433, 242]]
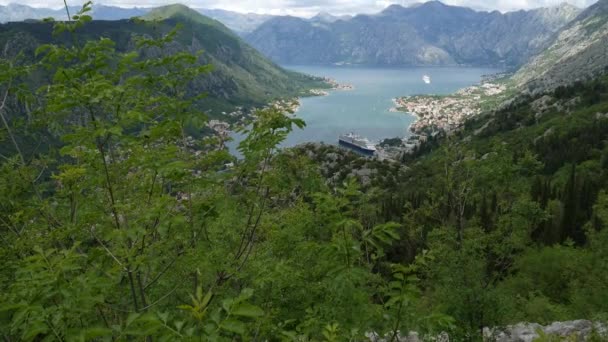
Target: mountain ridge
[[431, 33]]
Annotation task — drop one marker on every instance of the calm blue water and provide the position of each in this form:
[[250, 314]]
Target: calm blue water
[[365, 110]]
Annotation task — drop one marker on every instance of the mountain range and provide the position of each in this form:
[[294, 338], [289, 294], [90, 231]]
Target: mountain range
[[424, 34], [241, 76], [431, 33], [547, 45], [240, 23]]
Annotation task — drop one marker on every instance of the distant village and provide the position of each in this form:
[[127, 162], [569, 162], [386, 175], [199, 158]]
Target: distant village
[[446, 113], [242, 116]]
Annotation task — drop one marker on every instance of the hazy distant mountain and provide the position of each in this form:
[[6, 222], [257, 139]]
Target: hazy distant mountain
[[424, 34], [580, 51], [244, 24], [238, 22], [325, 17], [102, 12], [16, 12]]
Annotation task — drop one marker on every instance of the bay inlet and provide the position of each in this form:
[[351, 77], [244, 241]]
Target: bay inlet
[[365, 110]]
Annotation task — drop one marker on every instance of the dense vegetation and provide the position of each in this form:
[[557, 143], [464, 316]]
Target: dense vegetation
[[131, 230]]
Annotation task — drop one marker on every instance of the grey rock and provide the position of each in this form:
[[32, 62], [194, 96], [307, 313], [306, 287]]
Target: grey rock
[[580, 330], [411, 337], [523, 332]]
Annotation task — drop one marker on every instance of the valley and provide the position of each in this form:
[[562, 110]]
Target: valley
[[478, 213]]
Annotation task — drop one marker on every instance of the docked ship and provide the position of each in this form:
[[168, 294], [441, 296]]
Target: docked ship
[[357, 144], [426, 79]]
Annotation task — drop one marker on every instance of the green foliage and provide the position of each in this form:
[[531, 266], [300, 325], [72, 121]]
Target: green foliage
[[124, 227], [110, 229]]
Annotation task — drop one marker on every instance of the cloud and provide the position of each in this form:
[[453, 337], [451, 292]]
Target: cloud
[[311, 7]]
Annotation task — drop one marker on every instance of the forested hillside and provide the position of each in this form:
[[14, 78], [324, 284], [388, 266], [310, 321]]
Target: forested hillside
[[241, 76], [126, 228]]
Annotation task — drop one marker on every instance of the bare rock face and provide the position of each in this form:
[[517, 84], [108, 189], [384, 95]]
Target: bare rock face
[[579, 331], [579, 52]]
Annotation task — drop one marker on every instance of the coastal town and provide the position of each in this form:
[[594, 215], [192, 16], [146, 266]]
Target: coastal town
[[437, 114], [446, 113]]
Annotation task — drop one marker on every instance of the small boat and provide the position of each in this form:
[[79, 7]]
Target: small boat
[[357, 144], [426, 79]]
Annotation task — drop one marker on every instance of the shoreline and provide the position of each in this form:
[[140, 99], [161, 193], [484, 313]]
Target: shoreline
[[396, 109], [333, 86]]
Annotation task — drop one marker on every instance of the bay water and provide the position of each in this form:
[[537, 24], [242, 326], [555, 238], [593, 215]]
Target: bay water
[[366, 109]]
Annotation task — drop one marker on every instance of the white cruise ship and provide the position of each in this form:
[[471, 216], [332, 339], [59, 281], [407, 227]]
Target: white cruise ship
[[357, 143]]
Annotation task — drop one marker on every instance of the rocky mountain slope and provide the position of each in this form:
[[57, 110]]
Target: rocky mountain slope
[[426, 34], [241, 76], [579, 52]]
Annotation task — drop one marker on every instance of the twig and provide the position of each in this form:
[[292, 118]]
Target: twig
[[67, 9], [161, 299], [5, 122], [162, 272], [108, 251]]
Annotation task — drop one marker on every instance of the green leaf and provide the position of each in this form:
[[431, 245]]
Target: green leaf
[[233, 326], [164, 316], [248, 310], [33, 330], [92, 333], [207, 299], [132, 317]]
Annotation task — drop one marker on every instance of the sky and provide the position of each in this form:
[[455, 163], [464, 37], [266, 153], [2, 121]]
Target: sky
[[307, 8]]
